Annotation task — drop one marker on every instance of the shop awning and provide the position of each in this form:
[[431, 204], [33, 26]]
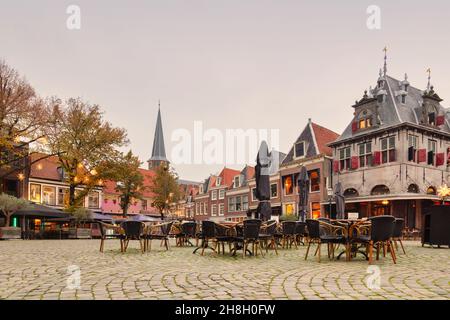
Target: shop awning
[[40, 211], [390, 197]]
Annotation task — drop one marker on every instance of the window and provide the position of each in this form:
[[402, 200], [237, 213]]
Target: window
[[314, 178], [315, 210], [432, 118], [49, 195], [362, 124], [344, 158], [237, 183], [63, 196], [244, 203], [289, 208], [232, 204], [431, 151], [218, 181], [197, 208], [206, 208], [35, 192], [214, 209], [214, 195], [238, 204], [403, 98], [299, 149], [221, 209], [288, 184], [93, 200], [412, 147], [365, 154], [388, 149], [254, 194], [273, 190], [221, 193], [200, 189]]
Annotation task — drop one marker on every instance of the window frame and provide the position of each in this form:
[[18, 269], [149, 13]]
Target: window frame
[[387, 151], [295, 149]]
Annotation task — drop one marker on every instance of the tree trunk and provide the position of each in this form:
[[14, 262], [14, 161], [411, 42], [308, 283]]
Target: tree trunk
[[71, 195], [8, 219]]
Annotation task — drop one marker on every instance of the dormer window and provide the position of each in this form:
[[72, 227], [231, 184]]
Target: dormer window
[[405, 87], [218, 181], [200, 189], [404, 98], [299, 149], [365, 123], [432, 118], [237, 182], [380, 98]]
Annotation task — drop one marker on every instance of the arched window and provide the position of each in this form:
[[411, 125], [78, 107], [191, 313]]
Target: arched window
[[413, 188], [431, 190], [380, 189], [350, 192]]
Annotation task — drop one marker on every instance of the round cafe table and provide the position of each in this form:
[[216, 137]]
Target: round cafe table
[[354, 249]]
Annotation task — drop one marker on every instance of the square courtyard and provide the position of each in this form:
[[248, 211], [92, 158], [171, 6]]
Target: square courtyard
[[45, 269]]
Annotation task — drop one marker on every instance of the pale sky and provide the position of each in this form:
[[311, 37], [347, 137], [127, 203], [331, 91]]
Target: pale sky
[[229, 63]]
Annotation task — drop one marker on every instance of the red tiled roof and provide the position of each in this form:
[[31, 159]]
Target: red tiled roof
[[250, 172], [227, 176], [323, 137]]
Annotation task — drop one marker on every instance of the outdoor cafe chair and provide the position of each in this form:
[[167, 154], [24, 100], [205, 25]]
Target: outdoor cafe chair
[[300, 231], [321, 232], [398, 233], [268, 231], [188, 232], [223, 236], [161, 234], [288, 233], [250, 235], [207, 235], [133, 230], [103, 234], [381, 231]]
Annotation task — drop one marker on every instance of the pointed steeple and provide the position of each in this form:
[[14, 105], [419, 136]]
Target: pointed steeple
[[385, 61], [159, 150]]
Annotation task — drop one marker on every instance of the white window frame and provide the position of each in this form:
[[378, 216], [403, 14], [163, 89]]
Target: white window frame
[[214, 195], [295, 149], [213, 210], [221, 209], [276, 184], [218, 181], [221, 194], [237, 185], [253, 194]]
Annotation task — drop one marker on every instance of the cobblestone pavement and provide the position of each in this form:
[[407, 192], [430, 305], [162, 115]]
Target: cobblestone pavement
[[39, 270]]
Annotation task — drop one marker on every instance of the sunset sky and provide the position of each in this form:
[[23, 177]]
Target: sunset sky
[[228, 63]]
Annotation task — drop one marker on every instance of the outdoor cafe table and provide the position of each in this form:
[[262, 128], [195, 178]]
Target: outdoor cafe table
[[233, 226], [354, 249]]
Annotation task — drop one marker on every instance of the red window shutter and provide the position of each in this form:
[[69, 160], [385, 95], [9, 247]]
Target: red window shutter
[[355, 162], [336, 166], [422, 155], [354, 126], [440, 120], [376, 158], [440, 159]]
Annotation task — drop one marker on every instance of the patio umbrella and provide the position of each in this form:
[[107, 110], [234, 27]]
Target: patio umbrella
[[303, 193], [262, 182], [143, 218], [340, 201], [37, 210]]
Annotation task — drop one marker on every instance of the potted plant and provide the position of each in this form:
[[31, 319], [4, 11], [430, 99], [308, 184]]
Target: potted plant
[[288, 217], [78, 230], [10, 205]]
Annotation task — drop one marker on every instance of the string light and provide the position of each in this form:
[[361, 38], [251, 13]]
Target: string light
[[39, 166], [444, 191], [21, 176]]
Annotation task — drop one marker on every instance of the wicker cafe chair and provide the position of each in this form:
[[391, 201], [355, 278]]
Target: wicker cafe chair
[[159, 231], [133, 230], [267, 235], [188, 232], [398, 233], [103, 227], [289, 235], [223, 236], [250, 235], [380, 233], [207, 235], [321, 232], [300, 231]]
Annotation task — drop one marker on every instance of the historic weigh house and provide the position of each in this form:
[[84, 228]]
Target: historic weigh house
[[395, 153]]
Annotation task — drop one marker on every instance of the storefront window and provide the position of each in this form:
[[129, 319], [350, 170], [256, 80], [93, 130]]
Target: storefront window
[[49, 195], [289, 209], [35, 192], [315, 210], [93, 200], [314, 177]]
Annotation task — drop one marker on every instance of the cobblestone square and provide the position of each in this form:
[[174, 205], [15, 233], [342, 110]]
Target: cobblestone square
[[39, 270]]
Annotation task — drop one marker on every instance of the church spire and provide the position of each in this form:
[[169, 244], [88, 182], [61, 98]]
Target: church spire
[[385, 61], [159, 150], [429, 79]]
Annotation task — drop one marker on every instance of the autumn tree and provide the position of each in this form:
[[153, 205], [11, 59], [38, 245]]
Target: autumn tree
[[86, 145], [165, 188], [24, 117], [129, 180]]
